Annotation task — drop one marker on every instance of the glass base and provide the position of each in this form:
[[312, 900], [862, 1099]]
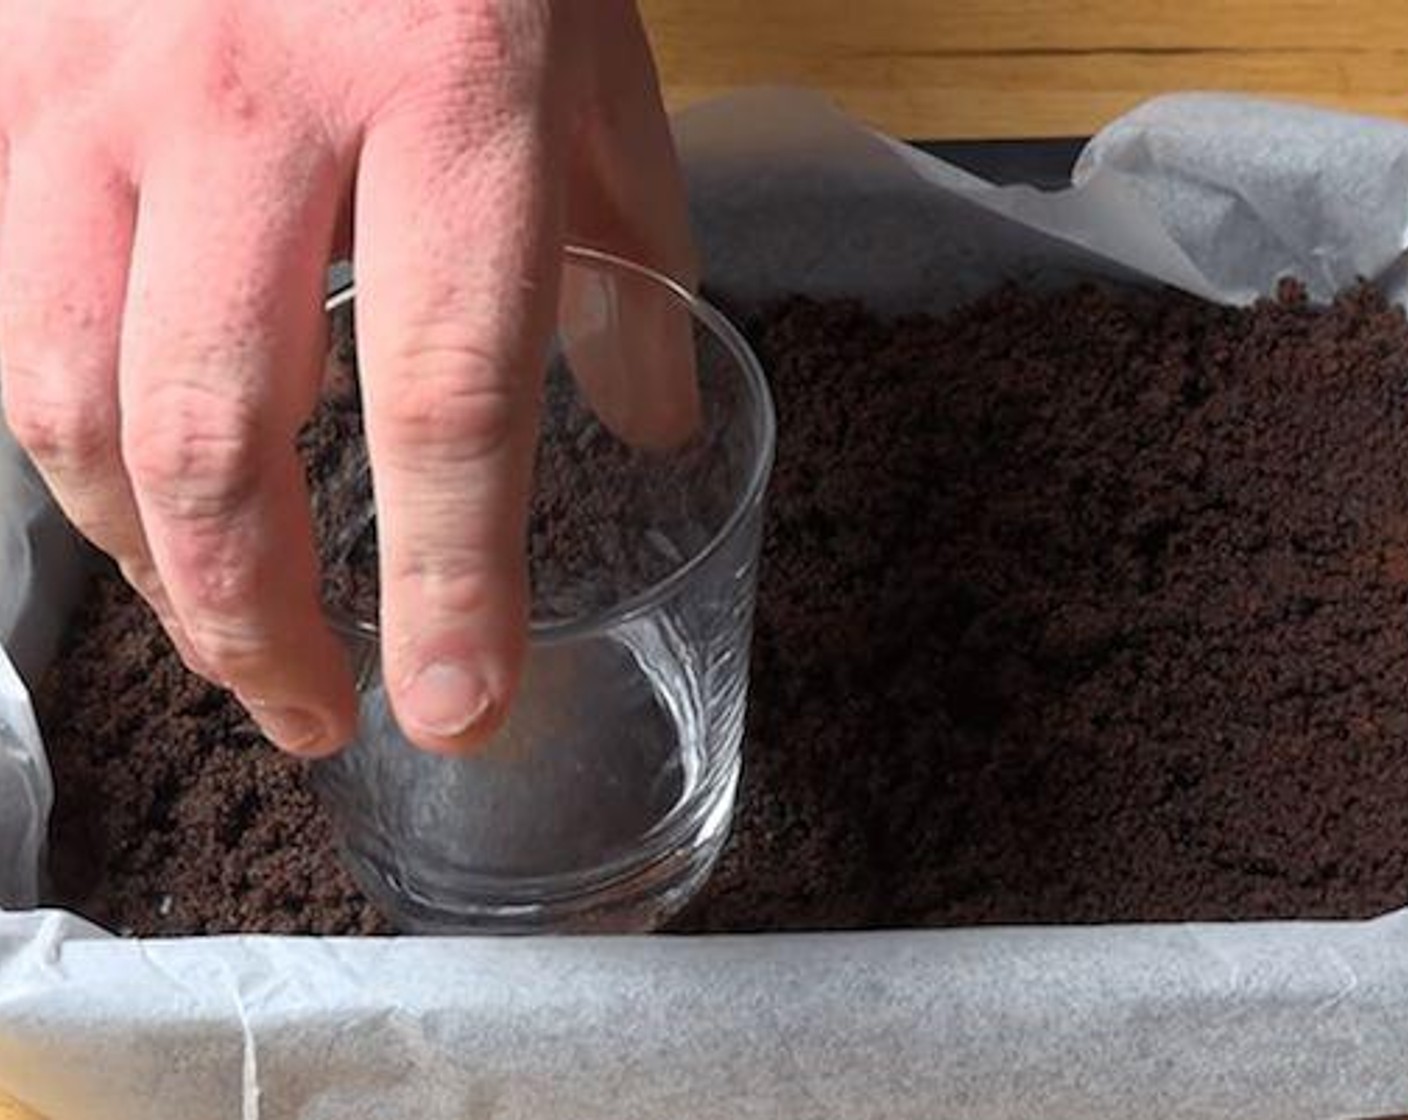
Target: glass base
[[635, 898]]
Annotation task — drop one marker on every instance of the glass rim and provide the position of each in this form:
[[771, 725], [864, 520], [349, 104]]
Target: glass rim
[[748, 497]]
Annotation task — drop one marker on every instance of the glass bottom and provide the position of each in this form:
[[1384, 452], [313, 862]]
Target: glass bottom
[[600, 806], [634, 897]]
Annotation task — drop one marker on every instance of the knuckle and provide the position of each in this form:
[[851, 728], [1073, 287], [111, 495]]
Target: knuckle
[[493, 53], [223, 592], [232, 650], [63, 435], [222, 584], [441, 417], [496, 35], [455, 585], [513, 38], [193, 453], [221, 605]]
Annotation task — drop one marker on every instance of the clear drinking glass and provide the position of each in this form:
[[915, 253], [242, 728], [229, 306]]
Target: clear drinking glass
[[605, 799]]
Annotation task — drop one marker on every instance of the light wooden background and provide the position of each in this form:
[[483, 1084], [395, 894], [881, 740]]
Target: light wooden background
[[934, 69], [937, 69]]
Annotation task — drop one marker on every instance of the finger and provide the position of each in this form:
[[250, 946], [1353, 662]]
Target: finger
[[63, 274], [4, 181], [220, 362], [457, 246], [629, 344]]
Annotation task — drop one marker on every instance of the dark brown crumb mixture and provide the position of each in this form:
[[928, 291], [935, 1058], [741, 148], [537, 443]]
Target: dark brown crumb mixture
[[1090, 607], [1084, 606], [173, 815]]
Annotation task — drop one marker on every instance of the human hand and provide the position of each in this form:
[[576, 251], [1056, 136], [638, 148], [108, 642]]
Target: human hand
[[174, 177]]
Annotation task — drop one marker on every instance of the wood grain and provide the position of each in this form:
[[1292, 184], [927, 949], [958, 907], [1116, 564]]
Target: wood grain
[[11, 1109], [1004, 68]]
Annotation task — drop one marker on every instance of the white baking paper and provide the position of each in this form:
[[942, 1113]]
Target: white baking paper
[[32, 533], [1221, 196], [41, 562]]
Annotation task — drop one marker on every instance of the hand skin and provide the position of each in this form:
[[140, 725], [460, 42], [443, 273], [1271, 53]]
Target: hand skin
[[175, 176]]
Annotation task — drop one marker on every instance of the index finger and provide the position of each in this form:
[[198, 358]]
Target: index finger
[[215, 380]]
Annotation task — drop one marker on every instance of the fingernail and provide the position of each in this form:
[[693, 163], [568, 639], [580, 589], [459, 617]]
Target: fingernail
[[292, 729], [445, 699]]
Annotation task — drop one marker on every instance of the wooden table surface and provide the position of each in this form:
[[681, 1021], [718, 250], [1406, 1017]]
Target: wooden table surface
[[948, 69], [940, 69]]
